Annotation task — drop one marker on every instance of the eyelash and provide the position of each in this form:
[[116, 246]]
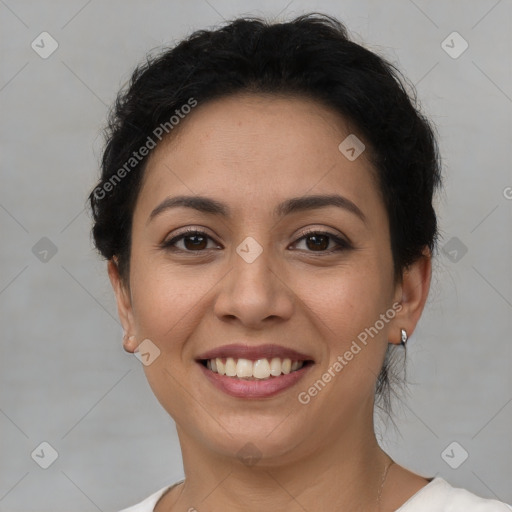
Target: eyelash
[[169, 244]]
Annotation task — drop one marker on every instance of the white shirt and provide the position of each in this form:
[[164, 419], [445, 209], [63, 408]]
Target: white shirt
[[437, 496]]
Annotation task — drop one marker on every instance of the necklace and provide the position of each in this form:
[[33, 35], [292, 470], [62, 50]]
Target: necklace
[[382, 484], [378, 496]]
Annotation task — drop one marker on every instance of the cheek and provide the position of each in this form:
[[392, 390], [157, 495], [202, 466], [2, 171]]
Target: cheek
[[344, 302], [168, 300], [158, 300], [166, 308]]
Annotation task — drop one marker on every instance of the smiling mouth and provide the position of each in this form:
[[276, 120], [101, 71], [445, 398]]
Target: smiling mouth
[[256, 370]]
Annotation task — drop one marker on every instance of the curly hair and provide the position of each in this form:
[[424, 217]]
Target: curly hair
[[311, 56]]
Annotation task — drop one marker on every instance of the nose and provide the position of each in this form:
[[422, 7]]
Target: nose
[[255, 293]]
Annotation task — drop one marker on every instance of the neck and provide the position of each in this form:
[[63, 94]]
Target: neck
[[342, 473]]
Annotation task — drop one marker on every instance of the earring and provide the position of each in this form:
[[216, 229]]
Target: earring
[[404, 337]]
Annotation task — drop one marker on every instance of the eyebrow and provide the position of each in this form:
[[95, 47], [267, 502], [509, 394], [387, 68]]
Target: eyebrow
[[296, 204]]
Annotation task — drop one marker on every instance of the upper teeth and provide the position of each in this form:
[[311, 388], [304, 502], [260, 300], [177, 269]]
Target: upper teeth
[[260, 369]]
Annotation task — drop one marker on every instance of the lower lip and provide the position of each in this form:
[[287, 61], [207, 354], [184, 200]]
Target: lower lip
[[241, 388]]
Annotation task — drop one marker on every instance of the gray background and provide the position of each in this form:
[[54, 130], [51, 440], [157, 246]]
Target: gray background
[[65, 378]]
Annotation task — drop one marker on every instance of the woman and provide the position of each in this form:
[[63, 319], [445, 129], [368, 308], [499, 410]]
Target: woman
[[265, 207]]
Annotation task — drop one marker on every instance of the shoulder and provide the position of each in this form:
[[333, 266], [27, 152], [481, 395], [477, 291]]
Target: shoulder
[[440, 496], [148, 504]]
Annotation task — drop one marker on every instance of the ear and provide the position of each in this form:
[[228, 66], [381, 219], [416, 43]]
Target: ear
[[412, 294], [124, 306]]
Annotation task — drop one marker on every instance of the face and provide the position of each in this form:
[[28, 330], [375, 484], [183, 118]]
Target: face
[[261, 269]]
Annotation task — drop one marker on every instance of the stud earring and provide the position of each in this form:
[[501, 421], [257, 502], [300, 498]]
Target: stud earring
[[404, 337]]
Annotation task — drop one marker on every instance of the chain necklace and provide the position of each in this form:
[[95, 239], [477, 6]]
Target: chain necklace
[[382, 484], [380, 490]]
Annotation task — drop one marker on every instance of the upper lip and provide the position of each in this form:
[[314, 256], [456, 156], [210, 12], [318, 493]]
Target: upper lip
[[268, 351]]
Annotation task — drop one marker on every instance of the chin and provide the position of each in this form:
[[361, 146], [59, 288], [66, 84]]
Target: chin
[[252, 441]]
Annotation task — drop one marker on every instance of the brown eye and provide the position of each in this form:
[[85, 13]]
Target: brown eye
[[197, 241], [193, 241], [319, 241]]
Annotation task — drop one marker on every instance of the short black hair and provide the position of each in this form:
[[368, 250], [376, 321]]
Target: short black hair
[[310, 56]]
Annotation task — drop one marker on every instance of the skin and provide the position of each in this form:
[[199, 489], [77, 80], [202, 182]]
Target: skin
[[251, 152]]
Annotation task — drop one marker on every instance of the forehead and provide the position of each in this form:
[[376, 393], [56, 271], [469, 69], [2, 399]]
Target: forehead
[[261, 147]]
